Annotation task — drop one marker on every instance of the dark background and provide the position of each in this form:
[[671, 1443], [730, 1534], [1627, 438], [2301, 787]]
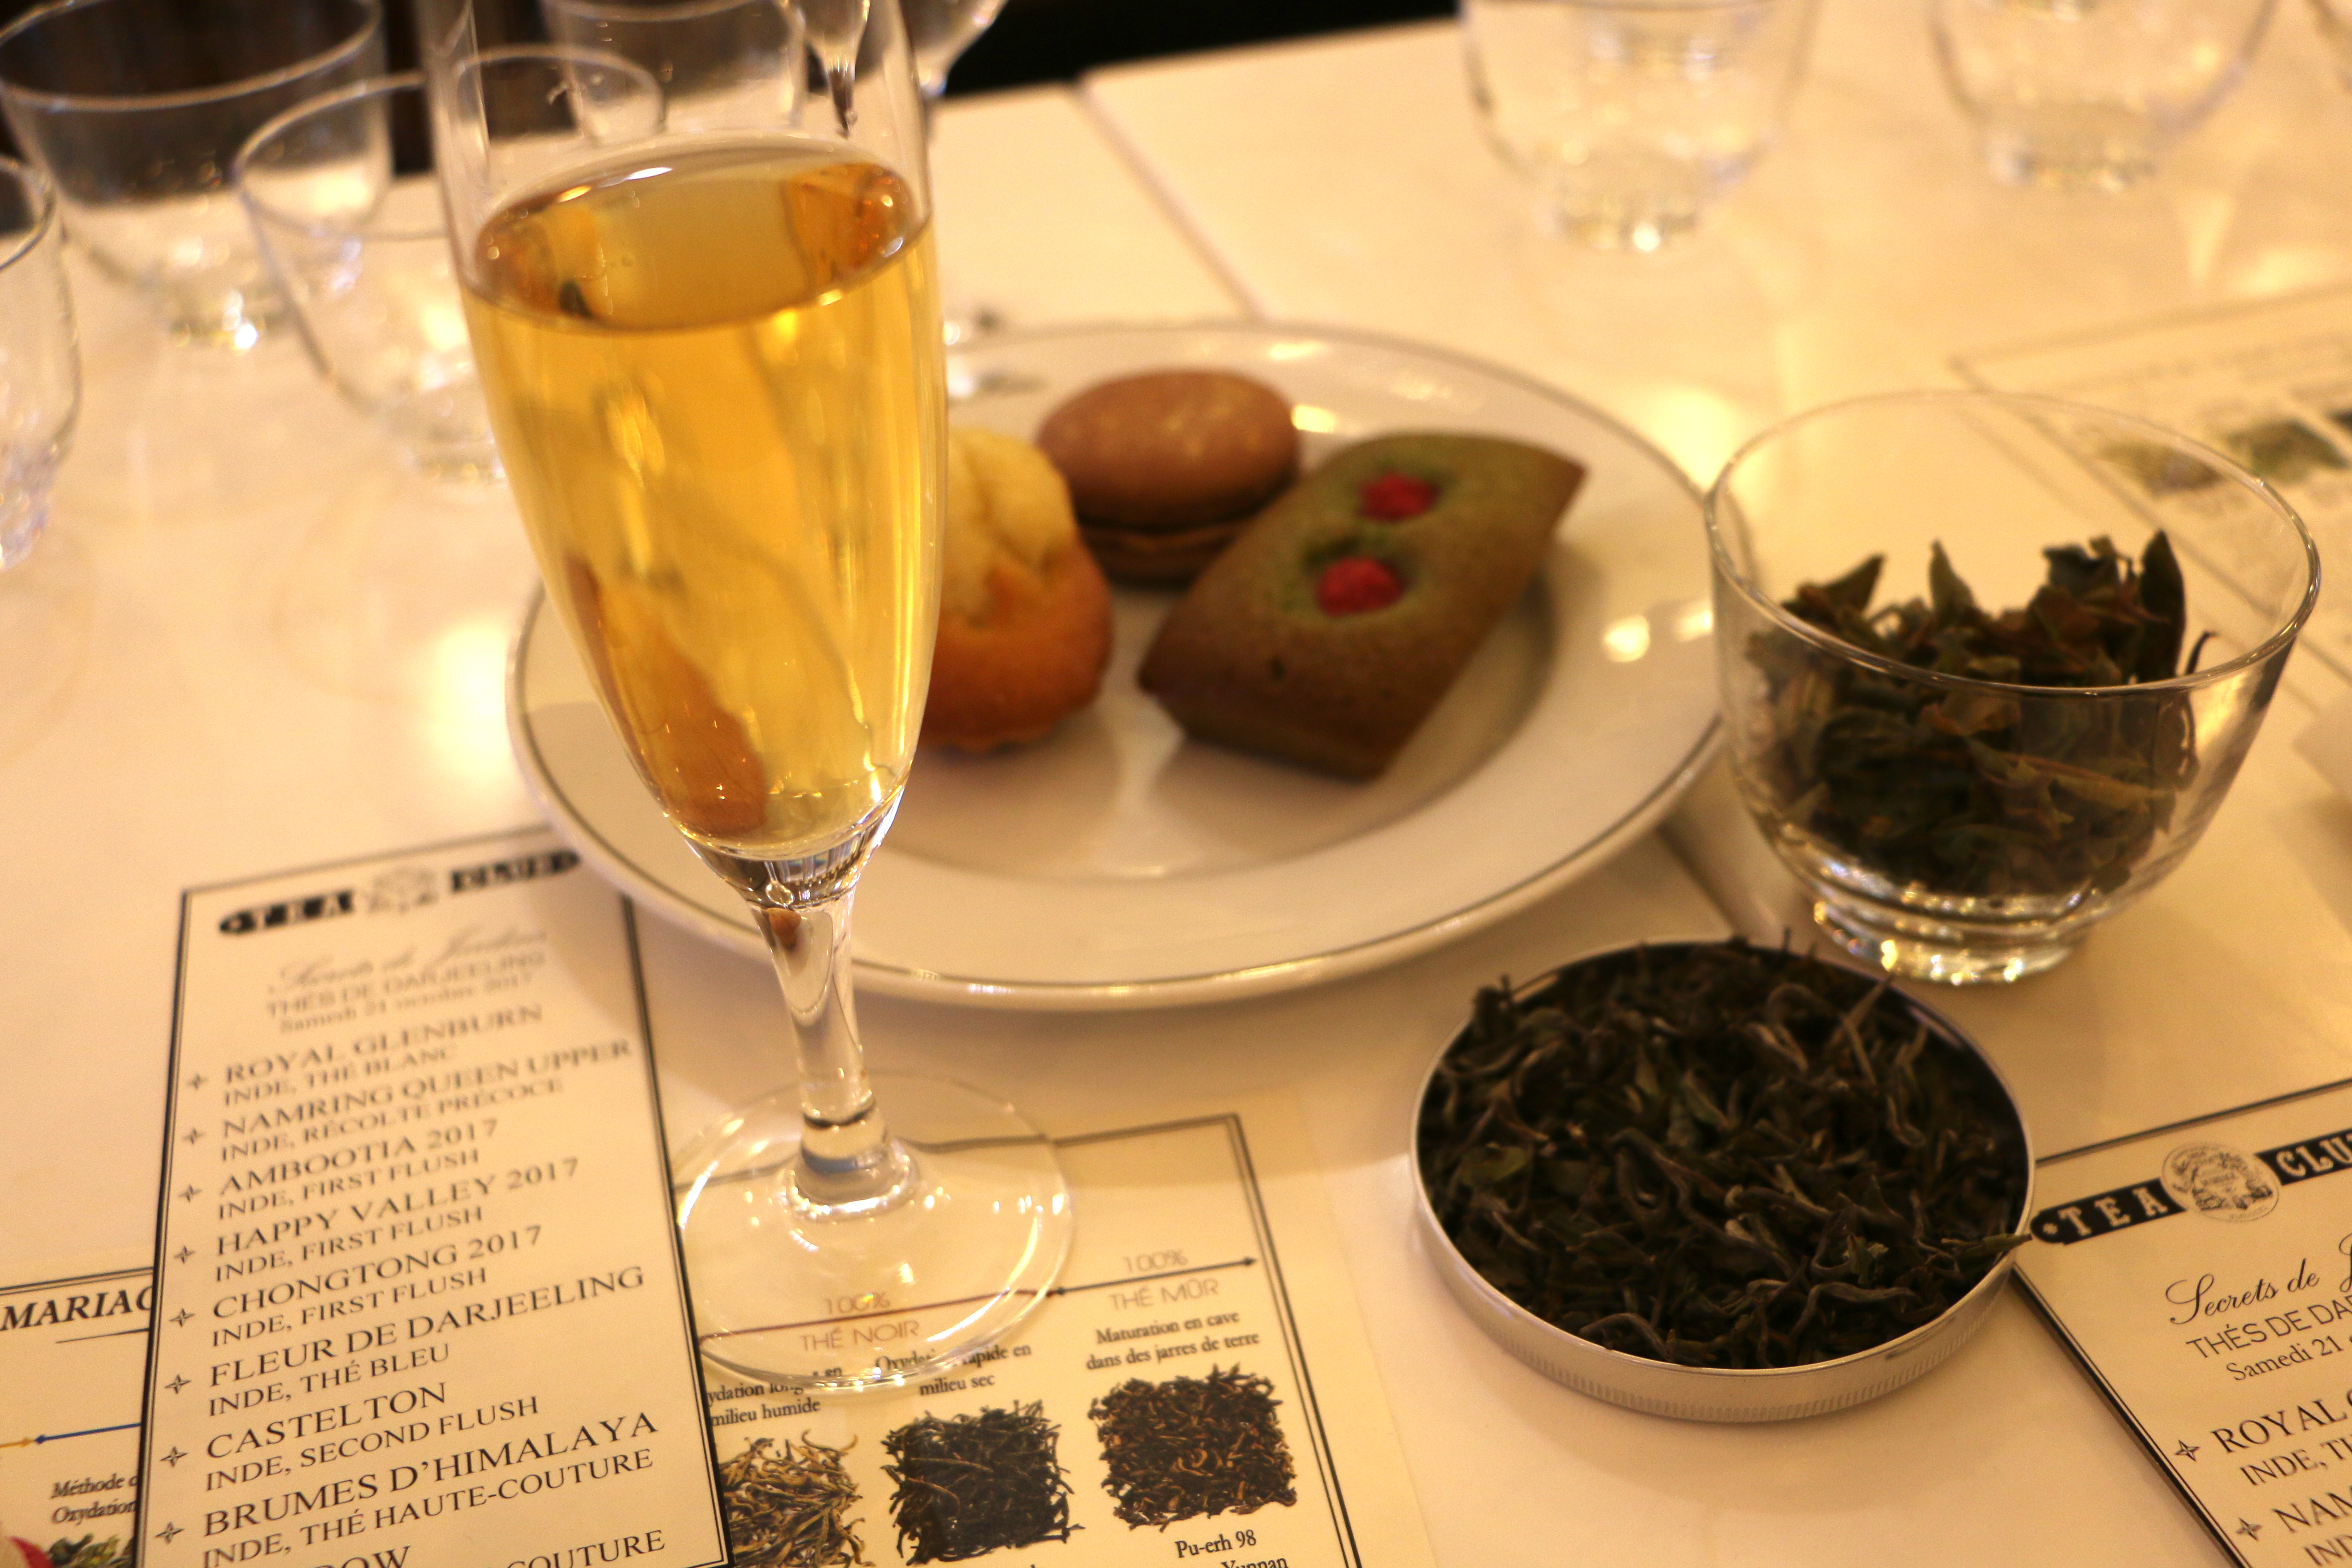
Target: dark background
[[1055, 40]]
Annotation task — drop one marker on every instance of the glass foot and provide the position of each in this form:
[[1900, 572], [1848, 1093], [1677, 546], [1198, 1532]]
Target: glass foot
[[24, 508], [1918, 947], [2084, 151], [1634, 226], [799, 1294]]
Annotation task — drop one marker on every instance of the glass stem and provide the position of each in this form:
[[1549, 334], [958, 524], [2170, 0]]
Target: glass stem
[[849, 1163]]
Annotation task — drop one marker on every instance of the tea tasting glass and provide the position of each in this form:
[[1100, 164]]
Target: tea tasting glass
[[1953, 822], [136, 110], [40, 376], [2089, 94], [1635, 116]]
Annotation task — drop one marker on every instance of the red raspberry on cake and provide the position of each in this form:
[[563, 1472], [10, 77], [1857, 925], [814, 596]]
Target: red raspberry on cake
[[1354, 585], [1393, 497]]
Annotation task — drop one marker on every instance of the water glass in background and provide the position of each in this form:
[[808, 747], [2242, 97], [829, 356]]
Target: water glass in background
[[937, 33], [720, 63], [2336, 25], [1635, 116], [363, 257], [136, 108], [543, 104], [939, 30], [40, 376], [2088, 94]]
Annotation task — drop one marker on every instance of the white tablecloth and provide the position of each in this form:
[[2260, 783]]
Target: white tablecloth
[[246, 646]]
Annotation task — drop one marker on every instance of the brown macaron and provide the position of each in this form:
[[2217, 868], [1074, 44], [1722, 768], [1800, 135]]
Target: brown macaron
[[1165, 466]]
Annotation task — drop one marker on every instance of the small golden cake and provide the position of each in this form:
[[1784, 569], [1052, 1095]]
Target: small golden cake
[[1024, 614]]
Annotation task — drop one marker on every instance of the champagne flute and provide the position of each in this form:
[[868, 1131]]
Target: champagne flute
[[713, 363]]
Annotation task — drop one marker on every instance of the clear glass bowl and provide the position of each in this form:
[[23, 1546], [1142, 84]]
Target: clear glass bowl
[[1965, 830]]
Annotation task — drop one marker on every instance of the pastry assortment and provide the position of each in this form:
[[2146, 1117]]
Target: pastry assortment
[[1327, 616]]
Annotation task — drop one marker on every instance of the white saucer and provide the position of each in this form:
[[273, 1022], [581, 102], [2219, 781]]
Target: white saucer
[[1118, 865]]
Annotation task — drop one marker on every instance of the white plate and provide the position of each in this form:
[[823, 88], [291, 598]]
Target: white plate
[[1117, 865]]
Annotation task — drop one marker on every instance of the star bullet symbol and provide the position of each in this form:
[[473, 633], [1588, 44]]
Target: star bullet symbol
[[195, 1133], [197, 1081], [180, 1319], [183, 1255], [174, 1457], [166, 1534], [177, 1384], [2248, 1528], [189, 1192], [2188, 1451]]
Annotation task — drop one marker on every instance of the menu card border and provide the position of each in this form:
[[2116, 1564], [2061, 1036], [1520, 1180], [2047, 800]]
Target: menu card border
[[89, 1276], [92, 1277], [2148, 1445], [1968, 362], [652, 1097]]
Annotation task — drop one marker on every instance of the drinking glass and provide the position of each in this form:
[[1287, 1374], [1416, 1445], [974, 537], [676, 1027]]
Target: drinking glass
[[713, 363], [939, 31], [1954, 823], [720, 63], [40, 375], [362, 255], [2088, 94], [1635, 116], [136, 108], [2334, 19]]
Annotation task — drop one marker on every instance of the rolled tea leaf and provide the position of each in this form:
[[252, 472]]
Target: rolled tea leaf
[[790, 1506], [1193, 1447], [1986, 791], [977, 1482]]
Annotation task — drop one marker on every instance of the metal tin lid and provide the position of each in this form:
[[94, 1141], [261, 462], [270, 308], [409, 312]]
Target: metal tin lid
[[1719, 1394]]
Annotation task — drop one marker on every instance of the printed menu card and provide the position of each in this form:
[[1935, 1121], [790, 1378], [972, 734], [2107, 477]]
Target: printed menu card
[[419, 1300], [72, 1345], [2268, 383], [1195, 1390], [2202, 1273]]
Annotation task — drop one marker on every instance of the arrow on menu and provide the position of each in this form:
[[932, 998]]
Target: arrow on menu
[[61, 1436], [959, 1301], [1145, 1278]]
